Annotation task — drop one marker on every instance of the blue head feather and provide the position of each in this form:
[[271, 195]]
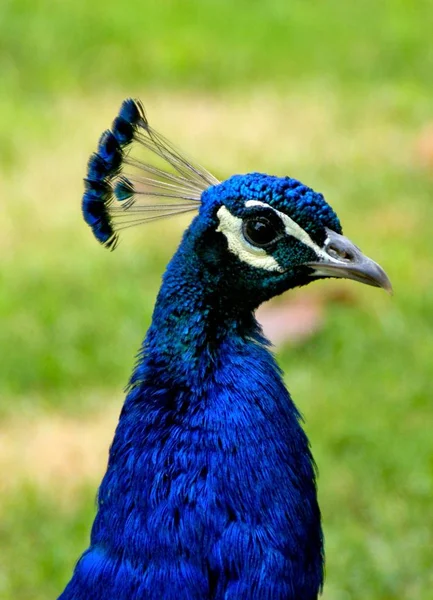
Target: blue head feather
[[305, 206]]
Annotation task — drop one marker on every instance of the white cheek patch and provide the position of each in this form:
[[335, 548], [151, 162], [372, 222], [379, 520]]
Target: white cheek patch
[[231, 227]]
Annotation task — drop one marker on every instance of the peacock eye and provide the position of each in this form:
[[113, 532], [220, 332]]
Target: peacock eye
[[260, 231]]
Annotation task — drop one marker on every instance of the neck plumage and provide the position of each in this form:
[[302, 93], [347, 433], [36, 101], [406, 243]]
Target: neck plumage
[[194, 323], [209, 454]]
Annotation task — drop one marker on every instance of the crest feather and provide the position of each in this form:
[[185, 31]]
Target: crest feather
[[136, 176]]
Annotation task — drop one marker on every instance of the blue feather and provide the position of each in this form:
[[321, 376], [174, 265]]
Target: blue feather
[[132, 111], [123, 190], [123, 131], [97, 168], [110, 152]]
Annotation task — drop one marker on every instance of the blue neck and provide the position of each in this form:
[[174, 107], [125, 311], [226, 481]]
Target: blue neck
[[209, 468], [195, 316]]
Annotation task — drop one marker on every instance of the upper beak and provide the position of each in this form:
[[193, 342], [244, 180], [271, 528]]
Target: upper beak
[[341, 258]]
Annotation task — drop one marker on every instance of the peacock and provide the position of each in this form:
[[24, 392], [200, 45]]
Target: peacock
[[210, 488]]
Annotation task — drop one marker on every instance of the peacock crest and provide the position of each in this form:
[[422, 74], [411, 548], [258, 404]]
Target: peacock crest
[[122, 189]]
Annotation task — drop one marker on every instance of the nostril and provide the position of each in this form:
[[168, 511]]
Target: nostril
[[341, 253]]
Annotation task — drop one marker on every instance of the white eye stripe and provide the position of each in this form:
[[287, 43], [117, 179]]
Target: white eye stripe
[[294, 230], [290, 226], [231, 227]]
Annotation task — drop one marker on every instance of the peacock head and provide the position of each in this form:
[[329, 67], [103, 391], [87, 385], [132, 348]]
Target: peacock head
[[262, 234]]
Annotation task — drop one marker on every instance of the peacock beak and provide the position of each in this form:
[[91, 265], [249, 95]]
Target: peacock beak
[[341, 258]]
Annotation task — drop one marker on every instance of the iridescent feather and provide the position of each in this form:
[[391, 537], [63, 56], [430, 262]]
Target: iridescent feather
[[136, 176]]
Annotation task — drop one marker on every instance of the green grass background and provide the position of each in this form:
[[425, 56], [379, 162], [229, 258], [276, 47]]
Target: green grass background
[[334, 93]]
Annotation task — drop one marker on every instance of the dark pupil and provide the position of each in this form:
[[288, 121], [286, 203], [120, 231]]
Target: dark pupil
[[259, 231]]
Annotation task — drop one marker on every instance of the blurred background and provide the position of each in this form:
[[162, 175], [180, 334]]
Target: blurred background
[[334, 93]]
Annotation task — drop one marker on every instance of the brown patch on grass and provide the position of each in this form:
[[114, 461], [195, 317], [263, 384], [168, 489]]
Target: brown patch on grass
[[293, 319], [55, 452], [424, 146]]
